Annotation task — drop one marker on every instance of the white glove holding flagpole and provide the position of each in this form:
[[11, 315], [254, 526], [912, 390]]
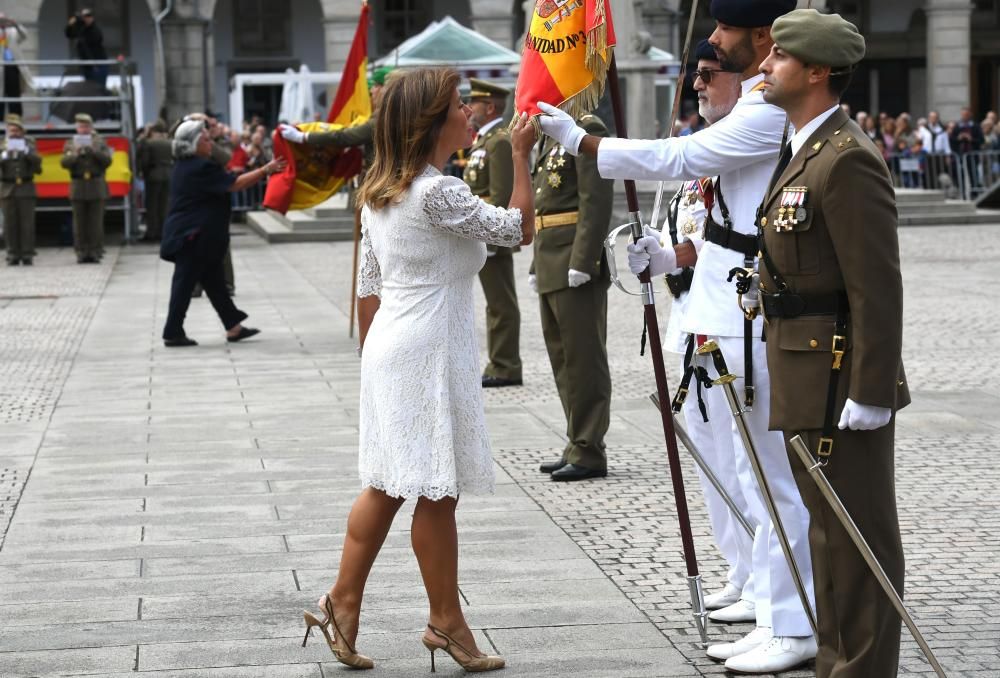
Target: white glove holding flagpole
[[561, 126], [292, 134], [647, 252]]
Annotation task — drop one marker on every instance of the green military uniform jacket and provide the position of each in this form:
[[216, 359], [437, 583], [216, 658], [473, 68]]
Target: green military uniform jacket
[[18, 169], [86, 167], [358, 135], [563, 184], [845, 240], [155, 159], [489, 171]]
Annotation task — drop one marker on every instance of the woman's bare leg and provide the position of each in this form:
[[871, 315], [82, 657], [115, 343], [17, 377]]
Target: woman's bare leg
[[367, 527], [435, 542]]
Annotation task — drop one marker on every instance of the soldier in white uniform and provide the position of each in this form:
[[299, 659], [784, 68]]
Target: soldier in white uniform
[[743, 150], [706, 412]]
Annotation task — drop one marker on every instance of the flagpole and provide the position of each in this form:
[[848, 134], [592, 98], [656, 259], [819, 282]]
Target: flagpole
[[656, 351], [354, 265]]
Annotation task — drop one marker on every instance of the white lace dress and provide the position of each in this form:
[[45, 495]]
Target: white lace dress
[[422, 428]]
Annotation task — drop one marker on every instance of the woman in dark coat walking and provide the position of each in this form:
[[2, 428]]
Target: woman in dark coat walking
[[196, 232]]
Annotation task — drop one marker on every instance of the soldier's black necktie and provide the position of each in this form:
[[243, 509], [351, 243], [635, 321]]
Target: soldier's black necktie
[[783, 160]]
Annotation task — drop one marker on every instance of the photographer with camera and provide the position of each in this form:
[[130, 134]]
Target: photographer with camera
[[83, 30]]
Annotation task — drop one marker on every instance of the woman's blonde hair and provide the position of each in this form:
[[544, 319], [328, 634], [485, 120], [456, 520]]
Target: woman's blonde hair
[[412, 109]]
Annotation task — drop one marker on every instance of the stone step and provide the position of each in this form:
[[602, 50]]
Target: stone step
[[910, 196], [963, 218], [276, 228], [943, 207]]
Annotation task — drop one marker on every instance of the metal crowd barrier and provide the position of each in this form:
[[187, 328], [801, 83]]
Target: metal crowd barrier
[[249, 199], [961, 176]]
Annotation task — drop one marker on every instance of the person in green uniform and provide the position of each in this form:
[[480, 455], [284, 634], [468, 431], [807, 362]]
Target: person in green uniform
[[570, 274], [87, 157], [489, 172], [19, 163], [155, 160]]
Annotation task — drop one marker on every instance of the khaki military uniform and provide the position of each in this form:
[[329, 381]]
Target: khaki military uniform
[[573, 207], [155, 160], [87, 192], [17, 193], [489, 172], [829, 225], [359, 135]]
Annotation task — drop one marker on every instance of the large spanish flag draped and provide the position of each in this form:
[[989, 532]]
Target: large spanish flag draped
[[315, 173], [54, 180], [566, 56]]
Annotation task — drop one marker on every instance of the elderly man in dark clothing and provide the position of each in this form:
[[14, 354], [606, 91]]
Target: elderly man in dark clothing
[[196, 232], [89, 41]]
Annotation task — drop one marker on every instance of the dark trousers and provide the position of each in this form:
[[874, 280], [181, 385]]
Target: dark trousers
[[503, 317], [88, 228], [858, 627], [574, 324], [200, 261], [157, 195], [12, 88], [19, 227]]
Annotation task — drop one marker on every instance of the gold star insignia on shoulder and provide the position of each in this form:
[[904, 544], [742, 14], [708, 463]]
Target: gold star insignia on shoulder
[[554, 179], [818, 145], [560, 161]]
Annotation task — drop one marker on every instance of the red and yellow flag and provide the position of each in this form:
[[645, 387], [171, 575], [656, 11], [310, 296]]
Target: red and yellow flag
[[54, 180], [566, 56], [315, 173]]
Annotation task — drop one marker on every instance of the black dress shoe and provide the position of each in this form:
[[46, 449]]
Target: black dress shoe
[[180, 341], [551, 466], [13, 262], [245, 333], [571, 472], [499, 382], [27, 262]]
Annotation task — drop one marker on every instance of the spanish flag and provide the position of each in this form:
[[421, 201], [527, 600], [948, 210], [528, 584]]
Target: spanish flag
[[566, 56], [54, 180], [315, 173]]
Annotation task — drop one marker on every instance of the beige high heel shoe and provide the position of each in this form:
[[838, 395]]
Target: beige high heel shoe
[[341, 649], [467, 660]]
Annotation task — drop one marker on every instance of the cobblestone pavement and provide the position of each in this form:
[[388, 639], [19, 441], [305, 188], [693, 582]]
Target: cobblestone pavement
[[172, 511]]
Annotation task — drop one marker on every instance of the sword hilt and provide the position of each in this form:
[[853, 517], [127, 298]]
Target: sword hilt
[[712, 348]]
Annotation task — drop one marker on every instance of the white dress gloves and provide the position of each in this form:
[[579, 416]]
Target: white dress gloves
[[577, 278], [858, 417], [648, 253], [751, 299], [560, 125], [292, 134], [533, 282]]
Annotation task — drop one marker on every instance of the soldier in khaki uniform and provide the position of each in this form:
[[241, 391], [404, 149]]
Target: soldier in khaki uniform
[[832, 293], [87, 157], [155, 160], [19, 163], [570, 274], [489, 172]]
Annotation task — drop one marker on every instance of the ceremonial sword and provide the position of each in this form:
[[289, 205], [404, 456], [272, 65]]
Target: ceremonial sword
[[649, 306], [815, 469], [739, 415]]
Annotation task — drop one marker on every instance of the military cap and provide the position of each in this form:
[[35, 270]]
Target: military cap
[[822, 39], [86, 11], [749, 13], [14, 119], [481, 89], [83, 117], [379, 75], [705, 51]]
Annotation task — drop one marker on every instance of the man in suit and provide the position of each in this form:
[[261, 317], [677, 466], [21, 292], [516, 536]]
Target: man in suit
[[155, 160], [87, 157], [831, 290], [19, 163], [489, 172], [570, 274]]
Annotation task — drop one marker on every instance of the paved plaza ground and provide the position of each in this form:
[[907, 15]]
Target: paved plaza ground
[[171, 511]]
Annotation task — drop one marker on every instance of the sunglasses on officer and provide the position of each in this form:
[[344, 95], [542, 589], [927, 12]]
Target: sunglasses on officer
[[705, 74]]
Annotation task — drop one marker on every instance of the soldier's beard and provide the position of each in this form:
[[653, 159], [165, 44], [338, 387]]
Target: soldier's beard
[[739, 58]]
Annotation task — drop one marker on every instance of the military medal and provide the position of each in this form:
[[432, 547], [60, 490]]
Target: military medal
[[86, 175], [19, 181], [554, 179], [473, 175]]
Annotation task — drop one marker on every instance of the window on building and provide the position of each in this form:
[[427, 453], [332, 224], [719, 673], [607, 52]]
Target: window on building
[[261, 28], [397, 20]]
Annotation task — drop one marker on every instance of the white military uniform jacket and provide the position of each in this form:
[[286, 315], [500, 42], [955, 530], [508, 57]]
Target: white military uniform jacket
[[690, 226], [743, 149]]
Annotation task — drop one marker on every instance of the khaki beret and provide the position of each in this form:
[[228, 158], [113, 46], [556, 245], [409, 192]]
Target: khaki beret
[[482, 89], [820, 39], [14, 119], [83, 117]]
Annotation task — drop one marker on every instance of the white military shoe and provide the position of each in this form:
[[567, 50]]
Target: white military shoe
[[781, 653], [724, 651], [724, 598], [742, 610]]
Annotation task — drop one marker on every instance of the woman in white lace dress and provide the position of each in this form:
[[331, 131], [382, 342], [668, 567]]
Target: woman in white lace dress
[[423, 434]]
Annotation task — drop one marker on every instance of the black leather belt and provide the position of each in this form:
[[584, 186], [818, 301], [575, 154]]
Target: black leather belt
[[732, 240], [681, 282], [789, 305]]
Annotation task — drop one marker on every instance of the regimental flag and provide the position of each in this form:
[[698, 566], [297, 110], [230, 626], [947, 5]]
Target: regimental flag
[[566, 56], [54, 180], [315, 173]]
